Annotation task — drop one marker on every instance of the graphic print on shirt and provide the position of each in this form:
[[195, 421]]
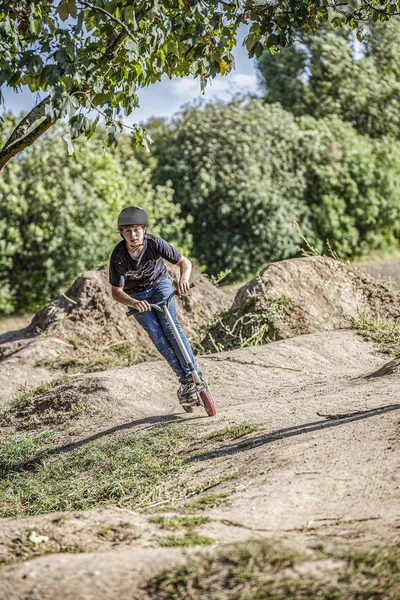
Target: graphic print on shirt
[[145, 270]]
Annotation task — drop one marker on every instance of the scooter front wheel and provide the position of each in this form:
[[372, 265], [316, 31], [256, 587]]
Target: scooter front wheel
[[208, 403]]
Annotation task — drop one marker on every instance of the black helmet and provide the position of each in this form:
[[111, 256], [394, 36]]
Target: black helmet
[[133, 215]]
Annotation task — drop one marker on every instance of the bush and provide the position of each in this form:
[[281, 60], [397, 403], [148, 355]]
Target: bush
[[352, 187], [58, 215], [237, 176]]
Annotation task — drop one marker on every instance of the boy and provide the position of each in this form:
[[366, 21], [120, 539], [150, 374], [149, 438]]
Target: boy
[[138, 276]]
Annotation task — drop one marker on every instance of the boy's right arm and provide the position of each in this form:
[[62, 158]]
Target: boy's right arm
[[123, 298]]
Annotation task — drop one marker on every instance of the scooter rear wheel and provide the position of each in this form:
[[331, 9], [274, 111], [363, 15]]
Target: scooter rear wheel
[[208, 403]]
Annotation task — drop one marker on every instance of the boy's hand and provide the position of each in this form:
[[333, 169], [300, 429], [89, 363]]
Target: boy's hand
[[183, 287], [141, 305]]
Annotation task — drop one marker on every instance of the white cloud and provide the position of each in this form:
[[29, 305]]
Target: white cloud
[[188, 88], [184, 86]]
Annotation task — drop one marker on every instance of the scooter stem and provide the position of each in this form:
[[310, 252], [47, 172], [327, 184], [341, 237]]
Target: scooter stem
[[195, 375]]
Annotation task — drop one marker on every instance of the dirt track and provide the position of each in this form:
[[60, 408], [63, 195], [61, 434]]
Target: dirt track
[[323, 464]]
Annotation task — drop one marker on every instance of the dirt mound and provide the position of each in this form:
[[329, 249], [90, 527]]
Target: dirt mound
[[299, 296], [387, 269], [86, 330]]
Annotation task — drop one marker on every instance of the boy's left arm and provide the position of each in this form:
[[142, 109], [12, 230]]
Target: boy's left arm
[[185, 267]]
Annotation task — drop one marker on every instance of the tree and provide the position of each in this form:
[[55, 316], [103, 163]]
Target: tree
[[58, 217], [325, 75], [242, 172], [239, 178], [84, 54], [352, 187]]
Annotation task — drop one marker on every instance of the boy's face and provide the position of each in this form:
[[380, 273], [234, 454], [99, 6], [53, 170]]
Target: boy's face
[[133, 234]]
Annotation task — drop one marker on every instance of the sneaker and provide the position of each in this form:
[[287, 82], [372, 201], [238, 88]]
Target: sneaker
[[187, 395]]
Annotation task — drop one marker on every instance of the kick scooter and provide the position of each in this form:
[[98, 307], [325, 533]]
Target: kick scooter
[[203, 393]]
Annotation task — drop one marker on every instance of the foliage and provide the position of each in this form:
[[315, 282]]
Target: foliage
[[57, 216], [352, 187], [328, 74], [383, 332], [246, 325], [239, 179], [81, 55]]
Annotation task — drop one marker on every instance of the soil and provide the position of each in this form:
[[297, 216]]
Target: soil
[[324, 294], [322, 466], [387, 269], [85, 323]]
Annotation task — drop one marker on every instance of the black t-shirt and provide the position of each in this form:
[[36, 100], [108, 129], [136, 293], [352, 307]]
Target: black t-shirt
[[137, 274]]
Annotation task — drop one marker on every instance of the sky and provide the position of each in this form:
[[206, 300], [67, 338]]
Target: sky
[[165, 98]]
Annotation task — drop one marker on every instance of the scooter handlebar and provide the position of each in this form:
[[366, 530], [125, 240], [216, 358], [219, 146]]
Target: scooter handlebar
[[132, 310]]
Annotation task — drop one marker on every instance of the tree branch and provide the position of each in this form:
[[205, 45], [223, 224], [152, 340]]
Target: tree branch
[[9, 151], [112, 17], [20, 138], [380, 10], [22, 128]]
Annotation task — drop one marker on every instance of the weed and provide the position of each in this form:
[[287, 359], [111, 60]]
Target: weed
[[247, 325], [386, 334], [234, 432], [259, 570], [188, 539], [176, 522], [128, 470]]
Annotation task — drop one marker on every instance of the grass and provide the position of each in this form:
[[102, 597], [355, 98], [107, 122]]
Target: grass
[[24, 547], [247, 325], [384, 333], [234, 432], [128, 470], [176, 522], [262, 570], [89, 358], [26, 397], [192, 538], [208, 501]]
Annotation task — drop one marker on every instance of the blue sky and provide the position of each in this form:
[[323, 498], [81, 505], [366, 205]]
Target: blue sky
[[163, 99]]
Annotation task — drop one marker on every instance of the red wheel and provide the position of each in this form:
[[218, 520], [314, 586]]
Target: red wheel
[[208, 403]]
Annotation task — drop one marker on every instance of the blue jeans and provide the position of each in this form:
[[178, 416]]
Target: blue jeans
[[159, 330]]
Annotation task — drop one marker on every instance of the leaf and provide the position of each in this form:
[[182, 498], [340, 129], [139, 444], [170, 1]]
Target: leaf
[[67, 8], [93, 127], [79, 125], [223, 67]]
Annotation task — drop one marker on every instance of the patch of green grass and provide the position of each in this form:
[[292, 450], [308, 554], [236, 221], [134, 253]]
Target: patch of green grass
[[89, 358], [18, 451], [188, 539], [209, 501], [176, 522], [26, 396], [128, 470], [234, 432], [262, 570], [386, 334]]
